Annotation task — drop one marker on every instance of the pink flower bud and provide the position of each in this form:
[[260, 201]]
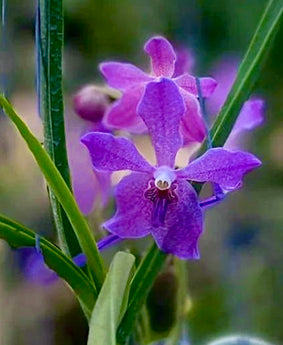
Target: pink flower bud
[[90, 103]]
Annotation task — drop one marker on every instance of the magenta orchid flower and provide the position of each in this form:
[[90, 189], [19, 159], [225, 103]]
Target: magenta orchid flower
[[159, 200], [89, 185], [131, 81]]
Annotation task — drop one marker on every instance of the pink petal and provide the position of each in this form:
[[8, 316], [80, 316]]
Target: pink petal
[[86, 184], [192, 125], [122, 114], [188, 83], [220, 166], [162, 108], [123, 75], [183, 225], [109, 153], [162, 56], [184, 61], [90, 103], [251, 116], [133, 216]]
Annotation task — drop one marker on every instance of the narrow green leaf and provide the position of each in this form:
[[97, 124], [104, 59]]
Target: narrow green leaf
[[49, 42], [248, 72], [18, 236], [139, 289], [62, 193], [111, 302]]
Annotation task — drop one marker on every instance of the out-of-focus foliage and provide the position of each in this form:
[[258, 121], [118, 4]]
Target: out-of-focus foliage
[[236, 287]]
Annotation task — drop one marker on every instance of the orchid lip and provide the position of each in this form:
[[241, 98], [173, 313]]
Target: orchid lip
[[160, 198]]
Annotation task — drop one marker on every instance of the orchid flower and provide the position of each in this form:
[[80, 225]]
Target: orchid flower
[[158, 200], [89, 185], [132, 81], [251, 114]]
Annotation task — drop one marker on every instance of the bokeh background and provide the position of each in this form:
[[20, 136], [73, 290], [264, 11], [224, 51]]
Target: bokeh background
[[236, 286]]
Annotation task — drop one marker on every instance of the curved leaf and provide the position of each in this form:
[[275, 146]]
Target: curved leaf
[[62, 193], [139, 289], [248, 72], [18, 236]]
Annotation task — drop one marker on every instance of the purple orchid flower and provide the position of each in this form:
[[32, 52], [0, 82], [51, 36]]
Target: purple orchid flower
[[252, 112], [89, 185], [36, 271], [159, 200], [225, 71], [131, 81]]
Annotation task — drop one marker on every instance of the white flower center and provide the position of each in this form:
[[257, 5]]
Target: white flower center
[[164, 177]]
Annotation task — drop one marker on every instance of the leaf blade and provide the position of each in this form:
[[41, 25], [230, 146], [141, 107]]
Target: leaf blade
[[139, 288], [247, 74], [111, 301], [17, 235]]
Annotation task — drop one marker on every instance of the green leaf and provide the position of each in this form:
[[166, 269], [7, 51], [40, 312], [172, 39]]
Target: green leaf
[[18, 236], [111, 302], [62, 193], [49, 44], [139, 289], [248, 72]]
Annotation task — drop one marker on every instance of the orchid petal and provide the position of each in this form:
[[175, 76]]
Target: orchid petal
[[220, 166], [133, 216], [192, 125], [122, 114], [88, 186], [123, 75], [251, 116], [184, 61], [162, 56], [162, 108], [188, 83], [111, 154], [183, 225]]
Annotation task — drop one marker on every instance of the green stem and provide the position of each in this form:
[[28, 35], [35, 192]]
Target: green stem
[[50, 39]]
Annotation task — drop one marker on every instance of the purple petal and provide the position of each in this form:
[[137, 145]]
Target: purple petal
[[184, 61], [88, 185], [133, 216], [183, 225], [80, 260], [35, 270], [220, 166], [251, 116], [188, 83], [111, 154], [162, 108], [123, 75], [162, 56], [192, 124], [224, 72], [123, 115]]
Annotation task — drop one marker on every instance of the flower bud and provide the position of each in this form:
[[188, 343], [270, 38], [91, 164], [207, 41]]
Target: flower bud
[[90, 103]]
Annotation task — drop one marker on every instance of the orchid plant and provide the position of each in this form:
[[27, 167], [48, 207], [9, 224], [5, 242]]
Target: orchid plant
[[158, 199]]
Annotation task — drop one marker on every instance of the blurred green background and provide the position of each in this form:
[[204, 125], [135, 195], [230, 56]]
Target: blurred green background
[[236, 286]]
